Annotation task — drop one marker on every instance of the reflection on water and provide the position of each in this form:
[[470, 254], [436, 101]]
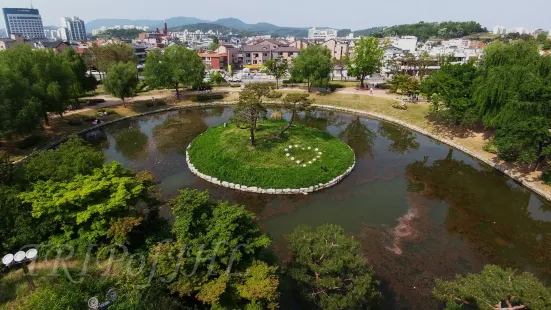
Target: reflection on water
[[419, 209]]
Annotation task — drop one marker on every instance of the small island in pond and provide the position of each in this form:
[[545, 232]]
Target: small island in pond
[[303, 160]]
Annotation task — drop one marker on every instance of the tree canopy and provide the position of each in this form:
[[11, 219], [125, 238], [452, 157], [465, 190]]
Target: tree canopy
[[249, 110], [276, 68], [176, 66], [122, 80], [366, 59], [494, 288], [424, 31], [330, 270], [216, 241], [313, 65]]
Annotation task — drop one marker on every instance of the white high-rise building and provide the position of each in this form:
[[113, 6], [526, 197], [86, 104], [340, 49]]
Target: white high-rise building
[[25, 22], [499, 30], [72, 29], [322, 34]]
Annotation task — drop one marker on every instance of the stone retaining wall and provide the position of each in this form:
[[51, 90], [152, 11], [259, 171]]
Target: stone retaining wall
[[489, 162], [271, 191]]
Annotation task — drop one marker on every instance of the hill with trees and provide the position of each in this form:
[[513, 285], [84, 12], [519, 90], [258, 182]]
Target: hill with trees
[[424, 31]]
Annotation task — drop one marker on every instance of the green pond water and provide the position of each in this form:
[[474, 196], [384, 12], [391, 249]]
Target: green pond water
[[420, 209]]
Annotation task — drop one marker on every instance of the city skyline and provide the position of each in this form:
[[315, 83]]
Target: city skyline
[[357, 15]]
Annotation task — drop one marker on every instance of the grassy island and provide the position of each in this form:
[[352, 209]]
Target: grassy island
[[304, 157]]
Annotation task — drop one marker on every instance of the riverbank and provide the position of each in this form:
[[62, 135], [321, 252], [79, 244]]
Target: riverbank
[[417, 118]]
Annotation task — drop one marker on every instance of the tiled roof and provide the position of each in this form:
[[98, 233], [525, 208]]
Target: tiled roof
[[287, 49], [255, 48]]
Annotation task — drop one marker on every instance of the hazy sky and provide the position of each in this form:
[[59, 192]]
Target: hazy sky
[[354, 14]]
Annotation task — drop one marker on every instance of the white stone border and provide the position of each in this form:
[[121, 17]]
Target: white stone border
[[271, 191]]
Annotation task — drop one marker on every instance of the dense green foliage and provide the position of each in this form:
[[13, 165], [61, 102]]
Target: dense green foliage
[[124, 34], [510, 91], [249, 110], [330, 270], [224, 153], [176, 66], [122, 80], [406, 84], [217, 241], [34, 83], [451, 90], [424, 31], [103, 57], [494, 288], [276, 68], [313, 65], [366, 59], [294, 103]]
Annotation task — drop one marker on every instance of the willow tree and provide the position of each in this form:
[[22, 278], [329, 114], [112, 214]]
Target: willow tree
[[313, 65]]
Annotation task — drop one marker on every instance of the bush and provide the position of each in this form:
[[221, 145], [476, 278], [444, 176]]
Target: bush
[[75, 122], [490, 147], [383, 86], [149, 104], [28, 142], [91, 102], [88, 119], [160, 102], [399, 106], [334, 86], [235, 85], [207, 97], [108, 111], [546, 177], [274, 94], [142, 87]]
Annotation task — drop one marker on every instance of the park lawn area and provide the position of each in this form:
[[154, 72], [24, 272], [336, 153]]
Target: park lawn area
[[226, 154], [415, 114]]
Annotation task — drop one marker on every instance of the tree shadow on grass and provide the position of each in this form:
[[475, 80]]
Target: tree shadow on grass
[[450, 131]]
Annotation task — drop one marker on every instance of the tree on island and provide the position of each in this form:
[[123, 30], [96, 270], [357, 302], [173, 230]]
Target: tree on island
[[330, 269], [122, 80], [176, 66], [295, 103], [276, 68], [313, 65], [366, 59], [220, 245], [249, 110], [494, 288]]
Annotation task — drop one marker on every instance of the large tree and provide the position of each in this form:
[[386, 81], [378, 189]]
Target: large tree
[[450, 90], [215, 257], [175, 67], [276, 68], [294, 103], [82, 82], [121, 80], [366, 59], [494, 288], [103, 57], [330, 269], [313, 65], [249, 110], [44, 78]]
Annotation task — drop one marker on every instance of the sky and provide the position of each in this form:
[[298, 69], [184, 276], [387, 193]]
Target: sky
[[352, 14]]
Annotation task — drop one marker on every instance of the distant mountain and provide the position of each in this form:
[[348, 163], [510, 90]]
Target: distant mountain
[[173, 21], [231, 23]]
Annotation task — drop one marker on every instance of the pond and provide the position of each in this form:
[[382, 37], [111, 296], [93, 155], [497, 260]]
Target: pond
[[420, 209]]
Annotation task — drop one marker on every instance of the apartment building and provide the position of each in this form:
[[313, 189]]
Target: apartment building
[[72, 29], [339, 50], [215, 61], [285, 52], [322, 34], [25, 22]]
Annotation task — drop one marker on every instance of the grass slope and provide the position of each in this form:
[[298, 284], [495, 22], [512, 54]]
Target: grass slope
[[226, 153]]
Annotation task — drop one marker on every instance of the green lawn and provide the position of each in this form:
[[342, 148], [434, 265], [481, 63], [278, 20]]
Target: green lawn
[[226, 153]]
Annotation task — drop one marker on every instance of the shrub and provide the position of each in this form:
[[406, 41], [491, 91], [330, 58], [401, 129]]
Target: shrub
[[75, 122], [28, 142], [207, 97], [490, 147], [274, 94], [383, 86], [546, 177], [108, 111], [399, 106], [142, 87], [88, 119], [334, 86], [235, 85], [160, 102], [149, 104], [91, 102]]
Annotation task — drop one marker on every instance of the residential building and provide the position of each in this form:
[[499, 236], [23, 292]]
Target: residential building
[[56, 46], [232, 53], [300, 44], [339, 49], [214, 61], [26, 22], [72, 29], [285, 52], [52, 34], [254, 56], [499, 30], [322, 34], [406, 43]]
